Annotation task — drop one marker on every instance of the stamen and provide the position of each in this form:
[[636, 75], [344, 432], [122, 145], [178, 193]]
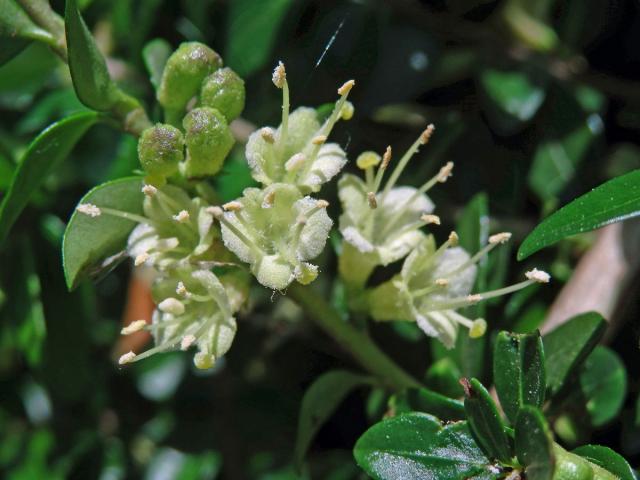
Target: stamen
[[371, 198], [182, 216], [346, 87], [474, 298], [445, 172], [269, 198], [406, 157], [499, 238], [494, 241], [232, 206], [386, 158], [171, 305], [140, 259], [430, 219], [133, 327], [279, 76], [295, 162], [442, 282], [89, 209], [127, 358], [187, 341], [319, 139], [268, 135], [428, 132], [453, 239], [538, 276], [149, 190], [181, 289], [218, 214], [322, 204]]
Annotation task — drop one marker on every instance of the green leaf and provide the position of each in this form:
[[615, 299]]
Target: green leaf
[[485, 422], [534, 444], [569, 135], [253, 28], [568, 345], [603, 382], [89, 73], [427, 401], [519, 371], [15, 23], [512, 98], [608, 459], [319, 402], [418, 446], [155, 55], [50, 147], [88, 241], [613, 201]]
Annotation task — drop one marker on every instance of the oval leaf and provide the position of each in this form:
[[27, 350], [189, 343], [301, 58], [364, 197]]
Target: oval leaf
[[89, 73], [608, 459], [14, 22], [613, 201], [603, 382], [319, 402], [534, 444], [418, 446], [568, 345], [45, 152], [485, 421], [519, 371], [88, 241]]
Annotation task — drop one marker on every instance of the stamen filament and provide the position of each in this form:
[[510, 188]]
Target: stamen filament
[[459, 302], [126, 215]]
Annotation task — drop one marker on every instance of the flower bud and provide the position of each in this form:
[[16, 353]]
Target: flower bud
[[160, 150], [224, 91], [183, 74], [208, 140]]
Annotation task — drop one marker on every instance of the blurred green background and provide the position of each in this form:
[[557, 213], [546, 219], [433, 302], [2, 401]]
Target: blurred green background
[[535, 102]]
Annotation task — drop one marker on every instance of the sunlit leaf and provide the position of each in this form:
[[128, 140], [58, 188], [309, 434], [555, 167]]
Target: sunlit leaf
[[91, 242]]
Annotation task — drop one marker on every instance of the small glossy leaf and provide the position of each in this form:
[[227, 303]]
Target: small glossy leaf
[[88, 241], [319, 402], [608, 459], [418, 446], [253, 27], [519, 371], [89, 73], [44, 153], [568, 345], [155, 55], [534, 444], [427, 401], [485, 422], [613, 201], [603, 382]]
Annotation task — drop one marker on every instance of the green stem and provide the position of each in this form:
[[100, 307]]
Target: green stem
[[351, 339]]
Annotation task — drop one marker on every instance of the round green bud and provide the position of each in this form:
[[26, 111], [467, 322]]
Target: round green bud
[[160, 150], [183, 74], [224, 91], [208, 140]]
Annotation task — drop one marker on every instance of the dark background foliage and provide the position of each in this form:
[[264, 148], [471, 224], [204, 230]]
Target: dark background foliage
[[531, 127]]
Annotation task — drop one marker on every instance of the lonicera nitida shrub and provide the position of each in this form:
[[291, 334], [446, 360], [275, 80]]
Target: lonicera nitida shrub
[[206, 258]]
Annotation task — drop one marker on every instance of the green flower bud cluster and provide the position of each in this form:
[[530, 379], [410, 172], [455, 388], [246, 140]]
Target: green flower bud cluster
[[200, 98], [279, 228], [383, 224]]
